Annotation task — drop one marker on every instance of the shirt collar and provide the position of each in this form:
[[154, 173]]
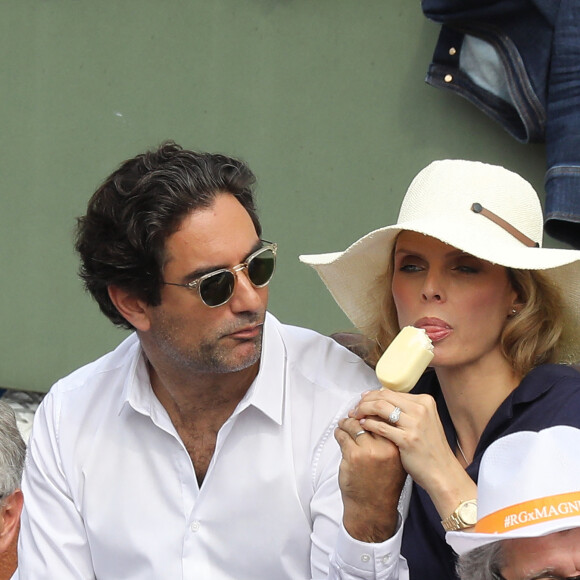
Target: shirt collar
[[537, 382], [137, 391], [266, 393]]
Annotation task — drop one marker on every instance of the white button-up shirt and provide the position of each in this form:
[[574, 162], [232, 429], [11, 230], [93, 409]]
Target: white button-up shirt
[[111, 492]]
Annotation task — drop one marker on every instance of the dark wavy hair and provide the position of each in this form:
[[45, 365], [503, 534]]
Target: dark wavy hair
[[121, 239]]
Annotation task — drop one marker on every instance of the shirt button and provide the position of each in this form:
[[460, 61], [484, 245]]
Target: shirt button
[[448, 78], [386, 559], [452, 51], [195, 526], [365, 558]]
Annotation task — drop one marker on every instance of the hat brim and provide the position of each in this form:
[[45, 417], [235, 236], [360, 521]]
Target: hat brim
[[355, 277], [463, 542]]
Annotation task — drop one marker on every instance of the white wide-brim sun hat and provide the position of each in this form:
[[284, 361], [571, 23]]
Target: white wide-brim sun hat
[[484, 210], [528, 486]]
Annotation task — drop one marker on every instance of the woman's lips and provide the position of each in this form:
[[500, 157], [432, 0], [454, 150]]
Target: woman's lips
[[435, 328]]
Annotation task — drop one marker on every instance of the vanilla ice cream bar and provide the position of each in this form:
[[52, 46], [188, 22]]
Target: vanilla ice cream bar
[[405, 360]]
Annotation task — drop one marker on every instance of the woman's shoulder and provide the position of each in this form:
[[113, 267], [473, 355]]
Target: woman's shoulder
[[548, 395], [554, 373], [551, 381]]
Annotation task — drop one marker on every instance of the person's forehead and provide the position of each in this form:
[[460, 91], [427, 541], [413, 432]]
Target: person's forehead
[[214, 233], [560, 552], [411, 238]]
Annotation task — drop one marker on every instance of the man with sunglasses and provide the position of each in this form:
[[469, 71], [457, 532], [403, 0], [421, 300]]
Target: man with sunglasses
[[202, 447], [528, 521]]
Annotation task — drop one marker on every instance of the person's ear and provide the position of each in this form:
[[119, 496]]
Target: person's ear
[[132, 309], [10, 519]]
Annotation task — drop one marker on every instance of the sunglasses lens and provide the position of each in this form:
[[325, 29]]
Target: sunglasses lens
[[217, 289], [261, 268]]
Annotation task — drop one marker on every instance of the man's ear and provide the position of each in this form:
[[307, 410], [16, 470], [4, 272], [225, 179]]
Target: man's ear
[[132, 309], [10, 519]]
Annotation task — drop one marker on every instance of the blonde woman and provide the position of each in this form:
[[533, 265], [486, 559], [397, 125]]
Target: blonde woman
[[465, 263]]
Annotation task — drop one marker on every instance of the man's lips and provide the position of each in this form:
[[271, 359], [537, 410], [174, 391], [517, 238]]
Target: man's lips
[[246, 333], [435, 328]]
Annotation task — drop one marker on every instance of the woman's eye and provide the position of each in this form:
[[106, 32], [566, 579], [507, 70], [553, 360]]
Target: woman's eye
[[410, 268], [466, 269]]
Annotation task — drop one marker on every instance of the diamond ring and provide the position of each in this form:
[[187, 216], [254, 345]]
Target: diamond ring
[[395, 416]]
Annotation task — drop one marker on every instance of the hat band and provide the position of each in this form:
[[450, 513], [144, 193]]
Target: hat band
[[478, 208], [537, 511]]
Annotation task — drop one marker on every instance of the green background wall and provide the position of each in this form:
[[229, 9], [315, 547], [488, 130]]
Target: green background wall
[[325, 99]]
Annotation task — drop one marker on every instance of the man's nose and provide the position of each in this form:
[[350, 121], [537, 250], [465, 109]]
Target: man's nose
[[246, 296]]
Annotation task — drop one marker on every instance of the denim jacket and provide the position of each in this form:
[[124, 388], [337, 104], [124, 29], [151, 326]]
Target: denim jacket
[[519, 62]]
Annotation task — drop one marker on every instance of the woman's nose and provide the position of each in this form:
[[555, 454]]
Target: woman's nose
[[433, 287]]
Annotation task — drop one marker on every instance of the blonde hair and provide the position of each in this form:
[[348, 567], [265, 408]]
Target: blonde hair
[[386, 324], [529, 338], [532, 336]]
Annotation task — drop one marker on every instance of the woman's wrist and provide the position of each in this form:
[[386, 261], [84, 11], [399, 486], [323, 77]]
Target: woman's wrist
[[451, 487]]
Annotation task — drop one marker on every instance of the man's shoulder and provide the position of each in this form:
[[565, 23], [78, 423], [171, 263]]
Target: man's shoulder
[[115, 361], [325, 362], [78, 405], [305, 343]]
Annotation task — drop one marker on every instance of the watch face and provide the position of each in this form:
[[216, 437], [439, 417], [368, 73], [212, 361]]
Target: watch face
[[467, 512]]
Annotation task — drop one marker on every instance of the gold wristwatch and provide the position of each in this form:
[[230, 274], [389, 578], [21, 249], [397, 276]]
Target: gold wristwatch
[[465, 516]]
